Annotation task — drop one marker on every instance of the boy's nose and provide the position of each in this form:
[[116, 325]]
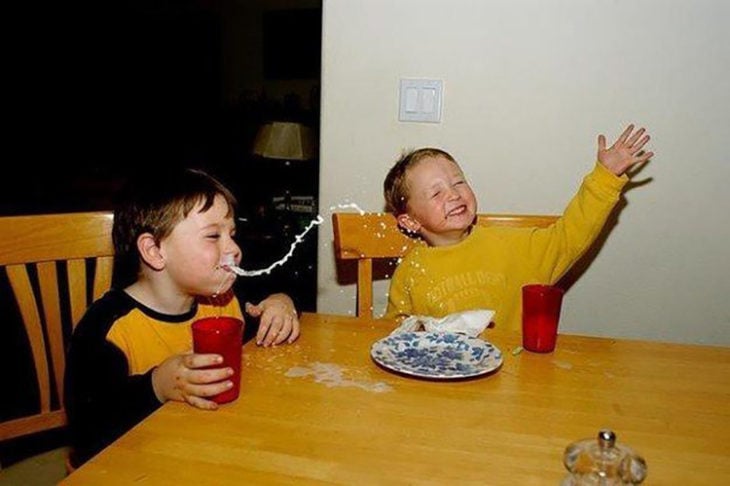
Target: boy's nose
[[452, 193], [234, 250]]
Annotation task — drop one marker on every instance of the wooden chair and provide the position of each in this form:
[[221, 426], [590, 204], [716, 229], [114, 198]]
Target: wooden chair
[[56, 265], [373, 236]]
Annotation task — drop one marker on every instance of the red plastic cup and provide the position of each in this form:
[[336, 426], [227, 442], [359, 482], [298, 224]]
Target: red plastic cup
[[224, 336], [540, 317]]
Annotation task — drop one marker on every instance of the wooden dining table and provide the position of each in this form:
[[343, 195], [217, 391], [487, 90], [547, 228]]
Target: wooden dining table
[[322, 411]]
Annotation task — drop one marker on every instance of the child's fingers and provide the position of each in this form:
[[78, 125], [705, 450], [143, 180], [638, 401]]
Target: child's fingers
[[632, 140], [253, 310], [601, 143], [295, 331], [208, 376], [262, 336], [202, 403], [276, 330], [277, 325], [285, 331], [208, 389], [197, 360], [636, 147], [644, 157], [625, 135]]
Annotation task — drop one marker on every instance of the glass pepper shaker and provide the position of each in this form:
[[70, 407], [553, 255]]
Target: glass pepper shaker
[[602, 462]]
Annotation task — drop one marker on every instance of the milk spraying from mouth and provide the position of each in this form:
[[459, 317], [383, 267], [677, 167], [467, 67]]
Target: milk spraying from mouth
[[229, 264]]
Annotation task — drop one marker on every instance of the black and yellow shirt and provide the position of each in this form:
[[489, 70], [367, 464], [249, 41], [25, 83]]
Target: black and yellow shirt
[[114, 348]]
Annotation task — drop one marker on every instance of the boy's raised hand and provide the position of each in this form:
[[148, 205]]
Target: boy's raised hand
[[625, 152], [183, 378]]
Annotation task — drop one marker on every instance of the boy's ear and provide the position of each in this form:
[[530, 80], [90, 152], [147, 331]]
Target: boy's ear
[[150, 252], [410, 224]]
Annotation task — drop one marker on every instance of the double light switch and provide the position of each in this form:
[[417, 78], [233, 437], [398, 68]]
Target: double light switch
[[421, 100]]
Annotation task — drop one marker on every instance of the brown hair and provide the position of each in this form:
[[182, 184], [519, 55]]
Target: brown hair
[[155, 204], [395, 188]]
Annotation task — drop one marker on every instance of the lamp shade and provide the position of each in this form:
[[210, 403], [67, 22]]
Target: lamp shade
[[284, 140]]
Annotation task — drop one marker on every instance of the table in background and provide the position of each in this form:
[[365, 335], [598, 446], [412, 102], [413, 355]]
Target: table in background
[[669, 402]]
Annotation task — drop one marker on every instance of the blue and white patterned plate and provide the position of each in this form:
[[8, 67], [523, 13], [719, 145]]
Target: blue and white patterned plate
[[436, 355]]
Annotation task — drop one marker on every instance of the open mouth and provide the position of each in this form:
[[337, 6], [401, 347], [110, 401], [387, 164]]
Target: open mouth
[[227, 261], [457, 211]]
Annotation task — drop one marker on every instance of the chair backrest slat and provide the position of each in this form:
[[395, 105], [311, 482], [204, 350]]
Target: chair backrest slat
[[33, 250], [102, 277], [76, 270], [366, 237], [29, 311]]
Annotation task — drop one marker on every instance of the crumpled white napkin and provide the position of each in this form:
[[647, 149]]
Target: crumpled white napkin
[[471, 322]]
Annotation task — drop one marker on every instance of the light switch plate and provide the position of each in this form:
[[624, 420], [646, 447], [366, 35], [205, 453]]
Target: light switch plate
[[421, 100]]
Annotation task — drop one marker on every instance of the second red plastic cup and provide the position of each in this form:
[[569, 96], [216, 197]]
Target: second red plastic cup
[[540, 316], [224, 336]]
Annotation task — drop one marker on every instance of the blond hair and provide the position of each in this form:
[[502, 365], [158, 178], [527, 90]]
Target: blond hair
[[395, 187]]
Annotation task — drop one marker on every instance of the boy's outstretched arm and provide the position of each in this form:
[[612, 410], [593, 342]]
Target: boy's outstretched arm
[[625, 152]]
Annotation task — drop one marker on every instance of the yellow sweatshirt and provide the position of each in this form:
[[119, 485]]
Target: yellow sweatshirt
[[489, 267]]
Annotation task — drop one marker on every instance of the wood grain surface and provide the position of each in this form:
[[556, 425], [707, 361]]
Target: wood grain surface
[[321, 411]]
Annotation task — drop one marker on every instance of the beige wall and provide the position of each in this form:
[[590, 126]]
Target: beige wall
[[528, 86]]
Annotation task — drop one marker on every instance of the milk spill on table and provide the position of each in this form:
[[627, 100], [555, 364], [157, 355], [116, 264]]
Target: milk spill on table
[[331, 375]]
